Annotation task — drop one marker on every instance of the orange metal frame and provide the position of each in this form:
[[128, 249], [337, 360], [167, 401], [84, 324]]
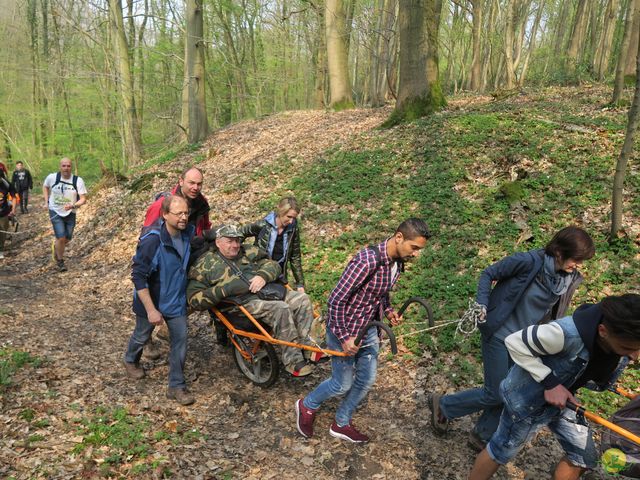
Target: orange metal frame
[[264, 336]]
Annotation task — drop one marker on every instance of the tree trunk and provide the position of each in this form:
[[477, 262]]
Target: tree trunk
[[337, 55], [418, 22], [532, 43], [625, 153], [131, 129], [603, 51], [632, 51], [510, 74], [194, 109], [476, 62], [576, 42], [618, 86]]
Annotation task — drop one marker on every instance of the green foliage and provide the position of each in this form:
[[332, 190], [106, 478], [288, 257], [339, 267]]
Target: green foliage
[[342, 105], [418, 107], [13, 360], [512, 191], [121, 438]]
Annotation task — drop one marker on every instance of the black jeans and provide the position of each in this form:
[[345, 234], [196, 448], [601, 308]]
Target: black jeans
[[24, 200]]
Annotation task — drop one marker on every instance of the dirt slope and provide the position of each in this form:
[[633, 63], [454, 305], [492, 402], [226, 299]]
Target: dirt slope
[[79, 321]]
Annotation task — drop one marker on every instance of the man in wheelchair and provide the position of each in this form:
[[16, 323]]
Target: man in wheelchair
[[244, 274]]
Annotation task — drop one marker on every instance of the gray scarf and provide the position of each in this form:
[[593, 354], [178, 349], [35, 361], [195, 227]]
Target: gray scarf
[[558, 282]]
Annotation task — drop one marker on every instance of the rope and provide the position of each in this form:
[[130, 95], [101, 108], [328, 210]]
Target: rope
[[466, 325]]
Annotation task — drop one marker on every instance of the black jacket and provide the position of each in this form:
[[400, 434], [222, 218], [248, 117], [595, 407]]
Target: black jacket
[[22, 180]]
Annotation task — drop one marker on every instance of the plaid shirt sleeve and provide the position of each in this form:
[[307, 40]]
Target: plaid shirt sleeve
[[353, 277]]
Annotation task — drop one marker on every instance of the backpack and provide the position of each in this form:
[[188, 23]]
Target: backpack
[[74, 183], [620, 455]]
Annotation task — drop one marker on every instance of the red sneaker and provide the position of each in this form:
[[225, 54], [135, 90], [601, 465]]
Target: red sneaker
[[348, 432], [304, 419]]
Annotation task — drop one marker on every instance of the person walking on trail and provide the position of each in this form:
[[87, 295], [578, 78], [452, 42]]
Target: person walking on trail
[[22, 182], [234, 270], [361, 296], [189, 187], [159, 275], [279, 235], [552, 361], [7, 206], [528, 288], [63, 194]]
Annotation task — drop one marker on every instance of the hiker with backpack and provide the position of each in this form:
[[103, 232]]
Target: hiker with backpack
[[361, 296], [159, 274], [279, 235], [552, 361], [189, 187], [63, 194], [22, 182], [523, 289], [7, 206]]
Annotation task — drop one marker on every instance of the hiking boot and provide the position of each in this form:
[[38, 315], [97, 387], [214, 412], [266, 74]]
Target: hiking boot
[[314, 357], [439, 422], [304, 419], [476, 443], [300, 369], [134, 371], [152, 350], [61, 266], [348, 432], [180, 395]]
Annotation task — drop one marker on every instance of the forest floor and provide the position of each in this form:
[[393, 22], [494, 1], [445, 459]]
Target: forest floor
[[70, 411]]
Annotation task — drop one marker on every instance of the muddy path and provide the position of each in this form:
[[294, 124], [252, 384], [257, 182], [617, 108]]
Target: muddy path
[[78, 323]]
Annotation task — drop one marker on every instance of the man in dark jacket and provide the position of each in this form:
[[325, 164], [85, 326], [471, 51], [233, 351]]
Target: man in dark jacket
[[159, 275], [552, 361], [189, 187], [22, 182]]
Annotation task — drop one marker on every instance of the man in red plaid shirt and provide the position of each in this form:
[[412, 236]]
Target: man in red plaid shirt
[[362, 295]]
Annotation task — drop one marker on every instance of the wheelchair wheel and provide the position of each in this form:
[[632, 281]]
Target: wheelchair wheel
[[264, 368]]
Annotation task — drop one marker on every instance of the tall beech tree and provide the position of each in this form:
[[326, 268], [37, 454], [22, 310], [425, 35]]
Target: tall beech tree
[[418, 23], [195, 124], [338, 55]]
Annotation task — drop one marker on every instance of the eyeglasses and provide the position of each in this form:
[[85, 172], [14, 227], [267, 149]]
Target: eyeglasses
[[180, 214]]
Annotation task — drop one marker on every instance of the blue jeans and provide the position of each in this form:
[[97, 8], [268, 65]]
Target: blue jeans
[[496, 362], [178, 351], [576, 439], [63, 226], [351, 376]]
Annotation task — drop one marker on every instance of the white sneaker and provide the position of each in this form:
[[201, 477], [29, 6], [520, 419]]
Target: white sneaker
[[1, 255]]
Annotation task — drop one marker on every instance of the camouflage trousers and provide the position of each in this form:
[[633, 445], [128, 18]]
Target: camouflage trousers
[[290, 320]]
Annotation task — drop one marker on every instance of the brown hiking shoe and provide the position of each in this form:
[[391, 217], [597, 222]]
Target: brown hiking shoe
[[180, 395], [476, 443], [439, 422], [134, 370], [152, 350], [304, 419]]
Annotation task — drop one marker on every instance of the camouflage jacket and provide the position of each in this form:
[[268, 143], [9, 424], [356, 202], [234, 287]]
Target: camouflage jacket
[[211, 279]]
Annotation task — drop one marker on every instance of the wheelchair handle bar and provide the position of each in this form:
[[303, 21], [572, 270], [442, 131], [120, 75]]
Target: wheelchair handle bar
[[605, 423], [382, 326]]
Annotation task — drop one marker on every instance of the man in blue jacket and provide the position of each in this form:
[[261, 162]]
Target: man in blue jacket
[[159, 276], [552, 361]]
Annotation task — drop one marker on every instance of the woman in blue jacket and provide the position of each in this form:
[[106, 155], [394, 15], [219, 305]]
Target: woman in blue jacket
[[528, 288], [279, 235]]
